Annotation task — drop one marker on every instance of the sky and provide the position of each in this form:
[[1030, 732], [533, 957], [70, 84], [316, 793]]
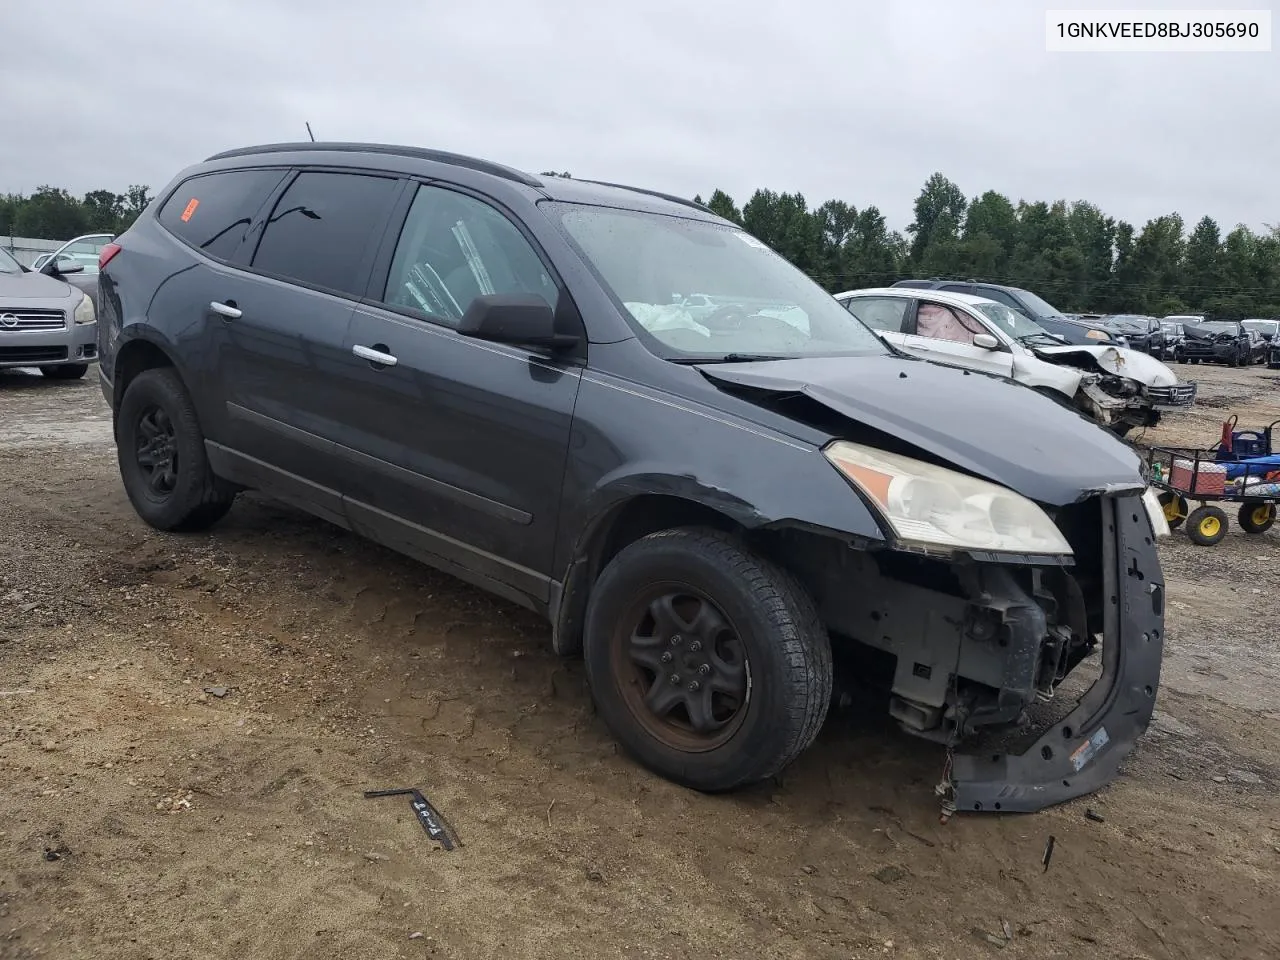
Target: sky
[[837, 99]]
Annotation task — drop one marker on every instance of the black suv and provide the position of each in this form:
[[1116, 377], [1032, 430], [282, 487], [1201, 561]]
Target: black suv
[[1028, 304], [1142, 333], [619, 410]]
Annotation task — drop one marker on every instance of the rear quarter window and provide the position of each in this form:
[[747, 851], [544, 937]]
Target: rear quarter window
[[213, 211]]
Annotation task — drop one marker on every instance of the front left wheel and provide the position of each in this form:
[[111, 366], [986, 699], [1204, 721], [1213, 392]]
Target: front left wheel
[[163, 464], [708, 662]]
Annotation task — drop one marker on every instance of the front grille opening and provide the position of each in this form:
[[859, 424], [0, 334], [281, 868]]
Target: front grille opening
[[32, 354]]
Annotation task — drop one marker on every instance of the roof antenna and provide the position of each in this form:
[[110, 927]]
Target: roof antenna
[[309, 133]]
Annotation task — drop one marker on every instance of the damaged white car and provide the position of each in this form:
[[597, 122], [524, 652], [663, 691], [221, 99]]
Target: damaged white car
[[1118, 387]]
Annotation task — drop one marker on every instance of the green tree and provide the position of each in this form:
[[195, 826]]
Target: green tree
[[50, 214], [939, 211], [722, 205]]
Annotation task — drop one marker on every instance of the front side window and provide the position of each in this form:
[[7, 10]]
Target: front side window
[[321, 228], [212, 212], [454, 248], [880, 313], [937, 322], [755, 303], [7, 263], [1015, 324]]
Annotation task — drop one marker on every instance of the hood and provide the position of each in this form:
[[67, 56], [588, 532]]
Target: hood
[[32, 286], [981, 424], [1133, 364]]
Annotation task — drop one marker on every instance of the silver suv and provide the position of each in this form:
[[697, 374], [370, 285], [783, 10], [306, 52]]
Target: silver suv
[[45, 322]]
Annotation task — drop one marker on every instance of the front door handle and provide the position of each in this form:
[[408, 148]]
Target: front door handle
[[375, 354], [228, 310]]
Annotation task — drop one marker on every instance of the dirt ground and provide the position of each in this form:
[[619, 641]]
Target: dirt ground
[[142, 817]]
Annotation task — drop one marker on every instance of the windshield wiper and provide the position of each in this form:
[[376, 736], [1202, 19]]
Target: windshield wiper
[[1027, 337], [731, 358]]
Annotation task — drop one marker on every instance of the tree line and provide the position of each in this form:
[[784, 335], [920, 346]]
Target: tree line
[[52, 213], [1072, 254]]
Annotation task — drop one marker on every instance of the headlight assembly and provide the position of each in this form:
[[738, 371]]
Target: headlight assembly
[[937, 507], [85, 312]]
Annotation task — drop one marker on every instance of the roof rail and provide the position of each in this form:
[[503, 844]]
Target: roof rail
[[419, 153], [652, 193]]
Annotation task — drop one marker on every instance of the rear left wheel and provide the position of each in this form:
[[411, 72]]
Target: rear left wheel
[[708, 662], [160, 448]]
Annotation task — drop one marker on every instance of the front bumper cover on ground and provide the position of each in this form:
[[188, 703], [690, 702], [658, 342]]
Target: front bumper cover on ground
[[1084, 751]]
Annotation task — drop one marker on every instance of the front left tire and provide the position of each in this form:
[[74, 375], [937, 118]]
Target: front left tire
[[708, 662], [161, 453]]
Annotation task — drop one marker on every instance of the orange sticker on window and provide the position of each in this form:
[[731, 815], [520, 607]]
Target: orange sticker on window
[[191, 208]]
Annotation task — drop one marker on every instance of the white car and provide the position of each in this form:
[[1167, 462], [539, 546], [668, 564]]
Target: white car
[[1118, 387]]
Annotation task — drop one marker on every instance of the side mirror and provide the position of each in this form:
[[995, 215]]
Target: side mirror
[[518, 318], [986, 341], [61, 267]]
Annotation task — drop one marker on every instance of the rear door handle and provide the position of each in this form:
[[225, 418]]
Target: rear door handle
[[378, 356], [228, 310]]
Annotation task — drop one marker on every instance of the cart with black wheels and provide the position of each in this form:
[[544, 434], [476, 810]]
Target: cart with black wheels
[[1184, 475]]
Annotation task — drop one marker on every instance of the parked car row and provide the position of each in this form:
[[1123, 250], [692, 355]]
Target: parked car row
[[704, 491]]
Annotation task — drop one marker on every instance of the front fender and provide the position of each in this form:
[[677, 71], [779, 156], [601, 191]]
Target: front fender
[[1033, 372], [743, 470]]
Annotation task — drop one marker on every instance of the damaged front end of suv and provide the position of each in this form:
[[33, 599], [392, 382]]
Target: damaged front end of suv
[[986, 597]]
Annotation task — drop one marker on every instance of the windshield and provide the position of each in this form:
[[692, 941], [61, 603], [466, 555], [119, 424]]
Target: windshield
[[7, 263], [1038, 307], [1263, 326], [1126, 324], [1012, 322], [1219, 326], [1174, 328], [706, 291]]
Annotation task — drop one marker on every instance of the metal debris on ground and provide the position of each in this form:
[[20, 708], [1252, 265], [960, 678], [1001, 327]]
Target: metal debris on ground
[[432, 821], [1048, 852], [1095, 817]]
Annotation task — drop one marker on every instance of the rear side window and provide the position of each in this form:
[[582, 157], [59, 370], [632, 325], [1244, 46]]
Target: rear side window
[[323, 228], [212, 212], [880, 313]]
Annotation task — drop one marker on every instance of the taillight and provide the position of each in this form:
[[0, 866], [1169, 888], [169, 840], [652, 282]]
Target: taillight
[[107, 252]]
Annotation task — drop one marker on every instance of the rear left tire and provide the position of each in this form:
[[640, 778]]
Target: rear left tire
[[163, 464], [708, 662]]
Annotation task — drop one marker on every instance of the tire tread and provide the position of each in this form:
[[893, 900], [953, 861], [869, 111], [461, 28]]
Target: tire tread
[[794, 624]]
